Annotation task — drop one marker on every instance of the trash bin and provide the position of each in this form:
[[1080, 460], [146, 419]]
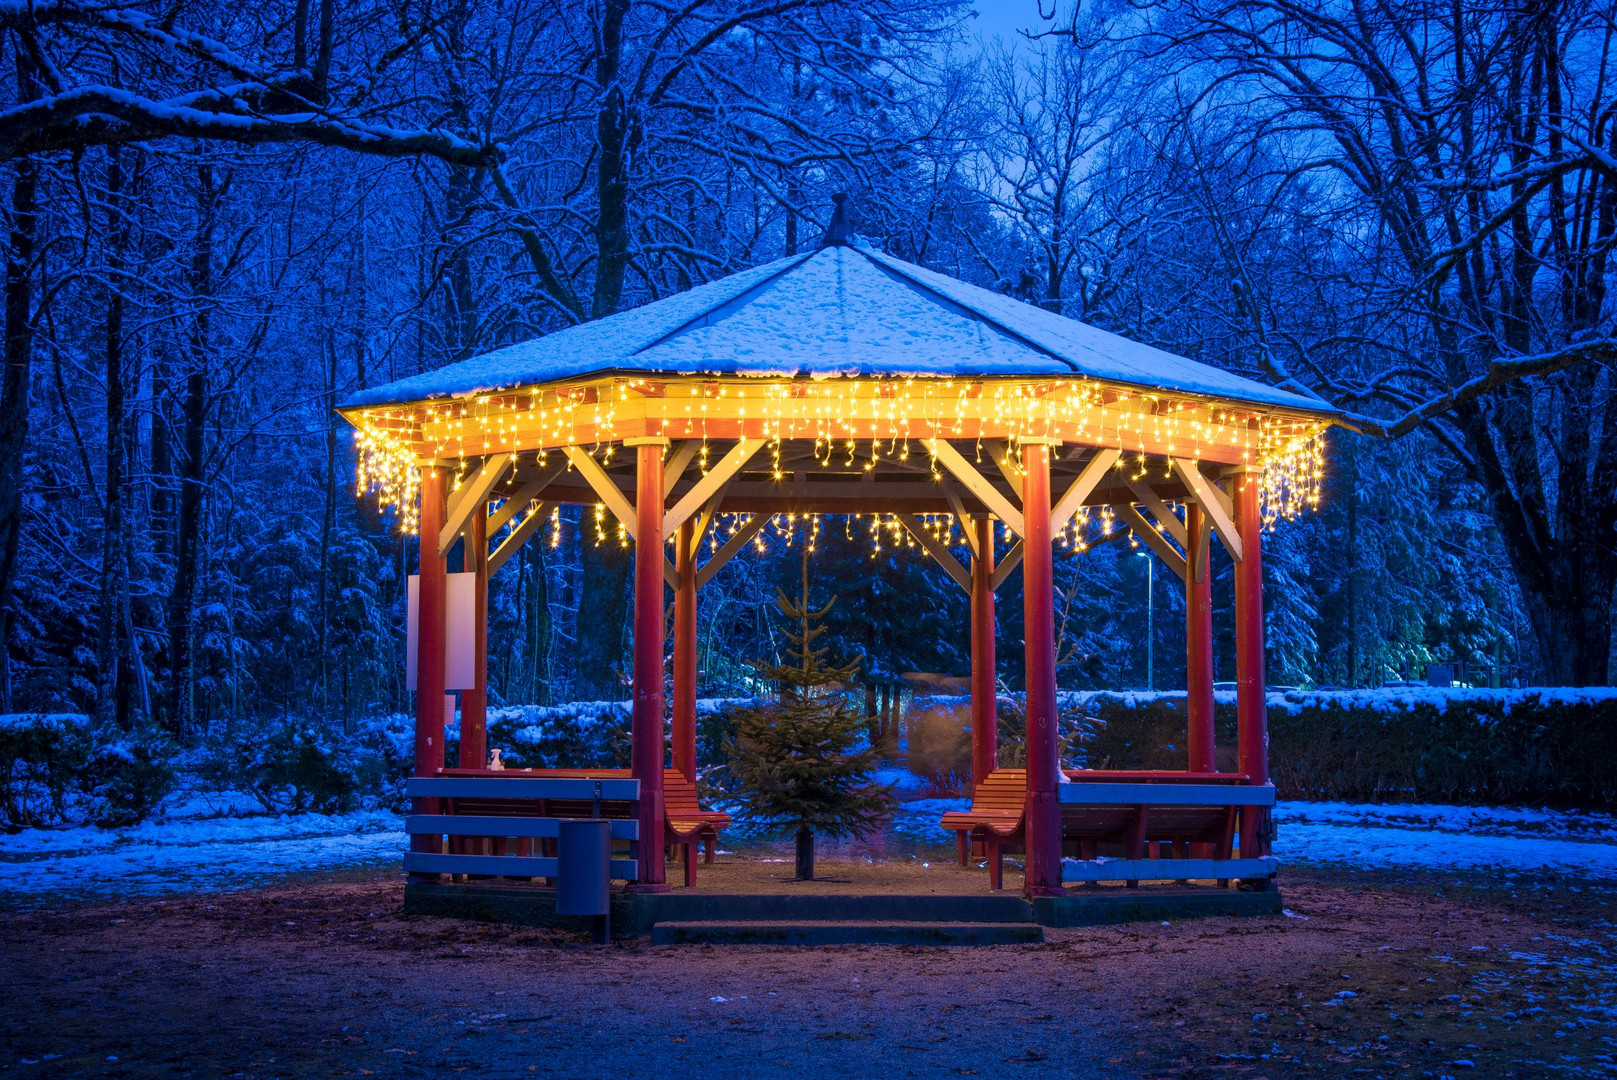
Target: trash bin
[[584, 871]]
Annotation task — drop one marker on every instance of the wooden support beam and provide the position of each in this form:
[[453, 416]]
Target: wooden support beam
[[470, 497], [704, 521], [977, 484], [1013, 559], [1153, 540], [1160, 511], [1212, 502], [679, 461], [1081, 488], [610, 494], [960, 512], [519, 500], [711, 484], [731, 546], [518, 536], [938, 550], [999, 452]]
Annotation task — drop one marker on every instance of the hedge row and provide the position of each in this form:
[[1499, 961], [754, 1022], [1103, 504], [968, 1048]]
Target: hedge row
[[1534, 746]]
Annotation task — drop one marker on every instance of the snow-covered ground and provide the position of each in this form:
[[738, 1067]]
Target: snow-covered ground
[[213, 843]]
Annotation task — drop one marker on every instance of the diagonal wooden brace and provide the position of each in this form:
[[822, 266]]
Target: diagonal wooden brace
[[1159, 510], [731, 546], [1072, 500], [976, 483], [711, 484], [938, 550], [1218, 512], [470, 498], [1154, 540]]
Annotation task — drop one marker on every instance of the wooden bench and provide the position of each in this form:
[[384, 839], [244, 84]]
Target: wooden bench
[[1127, 815], [688, 827], [472, 810]]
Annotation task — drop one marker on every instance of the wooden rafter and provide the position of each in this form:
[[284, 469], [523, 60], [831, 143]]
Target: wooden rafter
[[1216, 509], [960, 512], [999, 453], [470, 497], [1153, 539], [1082, 487], [517, 537], [710, 485], [612, 496], [737, 541], [938, 550], [1159, 510], [976, 483]]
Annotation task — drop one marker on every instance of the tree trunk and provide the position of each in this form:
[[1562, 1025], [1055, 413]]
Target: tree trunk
[[114, 579], [14, 384], [613, 138], [188, 515], [603, 611], [805, 853]]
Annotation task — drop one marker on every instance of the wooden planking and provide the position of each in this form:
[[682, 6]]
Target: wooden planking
[[476, 825], [517, 537], [977, 484], [471, 497], [1159, 510], [426, 862], [737, 541], [939, 551], [1166, 794], [1216, 508], [1081, 488], [1167, 869], [519, 787], [710, 485], [1153, 540]]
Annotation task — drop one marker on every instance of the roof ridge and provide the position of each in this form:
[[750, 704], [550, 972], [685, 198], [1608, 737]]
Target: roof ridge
[[792, 263], [882, 261]]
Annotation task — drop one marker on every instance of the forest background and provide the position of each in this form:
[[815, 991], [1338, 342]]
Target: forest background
[[222, 218]]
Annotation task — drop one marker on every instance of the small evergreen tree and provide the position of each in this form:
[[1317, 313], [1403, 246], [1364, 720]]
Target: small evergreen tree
[[796, 760]]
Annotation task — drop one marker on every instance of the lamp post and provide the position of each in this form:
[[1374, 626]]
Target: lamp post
[[1150, 619]]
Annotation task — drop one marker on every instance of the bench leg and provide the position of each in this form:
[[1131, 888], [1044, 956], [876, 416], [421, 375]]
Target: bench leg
[[690, 864], [996, 865], [961, 844], [712, 842]]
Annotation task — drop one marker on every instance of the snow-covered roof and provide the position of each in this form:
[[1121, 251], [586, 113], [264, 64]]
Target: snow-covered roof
[[841, 311]]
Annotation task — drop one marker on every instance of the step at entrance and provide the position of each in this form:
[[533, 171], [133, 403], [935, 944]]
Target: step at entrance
[[844, 932]]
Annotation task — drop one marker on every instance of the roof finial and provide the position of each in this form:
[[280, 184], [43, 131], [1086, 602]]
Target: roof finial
[[839, 233]]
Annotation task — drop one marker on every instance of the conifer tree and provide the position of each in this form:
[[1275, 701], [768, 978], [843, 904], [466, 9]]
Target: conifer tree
[[797, 760]]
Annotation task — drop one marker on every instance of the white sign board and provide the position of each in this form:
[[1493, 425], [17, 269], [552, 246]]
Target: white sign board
[[460, 621]]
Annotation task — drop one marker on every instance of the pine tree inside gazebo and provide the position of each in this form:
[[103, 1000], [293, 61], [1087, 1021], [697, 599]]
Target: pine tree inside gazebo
[[844, 381]]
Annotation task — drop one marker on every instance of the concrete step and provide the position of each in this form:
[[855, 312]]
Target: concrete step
[[844, 932], [683, 906]]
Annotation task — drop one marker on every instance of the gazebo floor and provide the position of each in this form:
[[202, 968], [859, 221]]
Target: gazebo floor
[[743, 900]]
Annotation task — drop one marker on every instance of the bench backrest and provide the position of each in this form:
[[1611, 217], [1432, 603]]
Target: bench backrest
[[1002, 792]]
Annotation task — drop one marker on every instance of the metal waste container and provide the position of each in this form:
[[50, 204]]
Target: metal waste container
[[584, 871]]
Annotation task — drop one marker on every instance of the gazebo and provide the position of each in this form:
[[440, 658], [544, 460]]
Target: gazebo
[[842, 381]]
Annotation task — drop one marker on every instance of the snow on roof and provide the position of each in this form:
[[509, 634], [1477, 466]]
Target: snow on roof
[[841, 311]]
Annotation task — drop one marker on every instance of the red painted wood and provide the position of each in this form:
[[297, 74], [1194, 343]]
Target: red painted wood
[[474, 702], [685, 653], [1252, 722], [431, 604], [646, 754], [1198, 644], [984, 684], [1043, 813]]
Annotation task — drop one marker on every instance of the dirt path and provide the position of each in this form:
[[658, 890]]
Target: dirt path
[[328, 980]]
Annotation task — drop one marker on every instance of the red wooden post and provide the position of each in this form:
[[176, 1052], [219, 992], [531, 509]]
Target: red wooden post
[[984, 685], [474, 702], [646, 754], [685, 651], [1252, 722], [431, 602], [1043, 813], [1198, 643]]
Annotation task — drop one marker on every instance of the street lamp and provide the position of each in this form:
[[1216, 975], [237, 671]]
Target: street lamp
[[1150, 619]]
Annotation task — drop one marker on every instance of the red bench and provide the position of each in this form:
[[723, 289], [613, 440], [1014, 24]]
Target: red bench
[[1118, 824], [687, 825]]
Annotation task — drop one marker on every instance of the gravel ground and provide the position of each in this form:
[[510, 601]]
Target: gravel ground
[[1409, 976]]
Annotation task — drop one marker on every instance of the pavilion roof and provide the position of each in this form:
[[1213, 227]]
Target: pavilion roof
[[844, 310]]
